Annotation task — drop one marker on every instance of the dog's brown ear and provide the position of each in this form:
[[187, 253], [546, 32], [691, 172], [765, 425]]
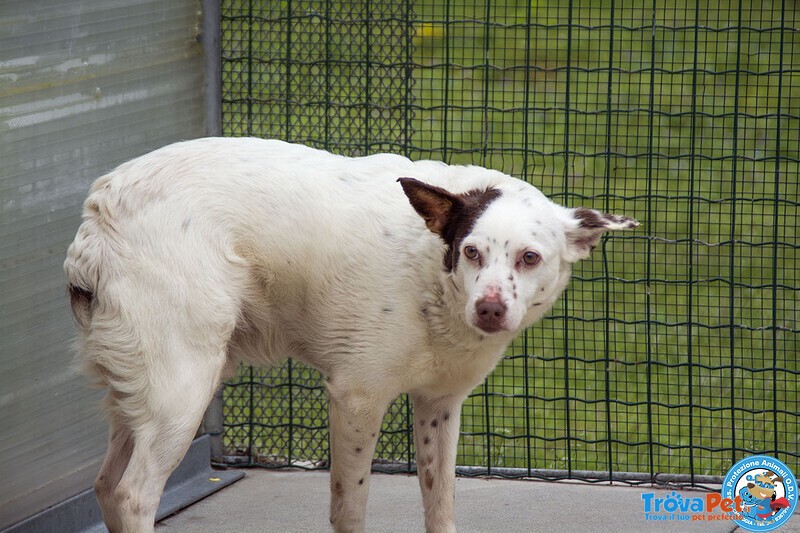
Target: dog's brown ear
[[587, 226], [433, 204]]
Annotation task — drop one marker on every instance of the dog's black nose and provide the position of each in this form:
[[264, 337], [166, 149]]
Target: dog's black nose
[[490, 312]]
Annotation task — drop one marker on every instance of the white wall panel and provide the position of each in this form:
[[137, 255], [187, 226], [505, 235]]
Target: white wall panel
[[84, 86]]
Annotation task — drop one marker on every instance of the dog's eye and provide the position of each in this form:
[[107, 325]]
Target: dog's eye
[[471, 252], [530, 258]]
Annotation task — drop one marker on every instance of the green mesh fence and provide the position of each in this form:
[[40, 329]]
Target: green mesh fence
[[674, 351]]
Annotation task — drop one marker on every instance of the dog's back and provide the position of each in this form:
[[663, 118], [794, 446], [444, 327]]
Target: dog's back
[[293, 245]]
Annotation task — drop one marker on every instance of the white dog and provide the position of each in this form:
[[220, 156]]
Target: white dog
[[387, 275]]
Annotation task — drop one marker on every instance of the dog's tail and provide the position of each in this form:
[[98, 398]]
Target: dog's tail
[[85, 258], [81, 268], [81, 287], [84, 267]]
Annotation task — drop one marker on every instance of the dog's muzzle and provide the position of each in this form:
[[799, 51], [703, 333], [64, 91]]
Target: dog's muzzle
[[490, 313]]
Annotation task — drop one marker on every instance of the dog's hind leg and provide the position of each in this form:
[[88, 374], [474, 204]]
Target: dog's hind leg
[[355, 421], [120, 446], [436, 427], [161, 431]]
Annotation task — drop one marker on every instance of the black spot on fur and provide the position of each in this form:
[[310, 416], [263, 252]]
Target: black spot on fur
[[387, 309], [372, 434], [358, 450], [426, 440], [434, 423], [446, 416], [361, 481]]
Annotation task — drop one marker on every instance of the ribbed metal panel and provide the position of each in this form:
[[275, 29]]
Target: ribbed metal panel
[[84, 85]]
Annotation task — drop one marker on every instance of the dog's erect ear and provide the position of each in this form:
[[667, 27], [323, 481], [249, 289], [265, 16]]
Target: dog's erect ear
[[433, 204], [585, 228]]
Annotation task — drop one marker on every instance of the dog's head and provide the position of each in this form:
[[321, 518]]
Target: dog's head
[[509, 247]]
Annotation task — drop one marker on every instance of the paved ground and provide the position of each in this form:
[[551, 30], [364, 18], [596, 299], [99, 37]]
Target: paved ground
[[290, 501]]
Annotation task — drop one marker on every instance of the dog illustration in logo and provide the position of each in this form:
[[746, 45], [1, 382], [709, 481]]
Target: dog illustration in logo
[[760, 496]]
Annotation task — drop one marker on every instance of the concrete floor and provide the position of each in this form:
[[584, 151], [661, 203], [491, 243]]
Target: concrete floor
[[297, 501]]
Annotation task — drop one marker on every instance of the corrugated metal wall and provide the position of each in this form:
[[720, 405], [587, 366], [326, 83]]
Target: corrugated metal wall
[[84, 85]]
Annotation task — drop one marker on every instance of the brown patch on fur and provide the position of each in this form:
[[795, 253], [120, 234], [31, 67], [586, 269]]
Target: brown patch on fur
[[428, 480], [461, 223], [589, 218], [451, 216], [592, 224]]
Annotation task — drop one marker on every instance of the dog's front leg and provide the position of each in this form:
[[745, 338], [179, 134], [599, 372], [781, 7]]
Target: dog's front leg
[[436, 428], [355, 421]]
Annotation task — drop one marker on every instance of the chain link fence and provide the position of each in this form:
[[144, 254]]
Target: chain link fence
[[674, 351]]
